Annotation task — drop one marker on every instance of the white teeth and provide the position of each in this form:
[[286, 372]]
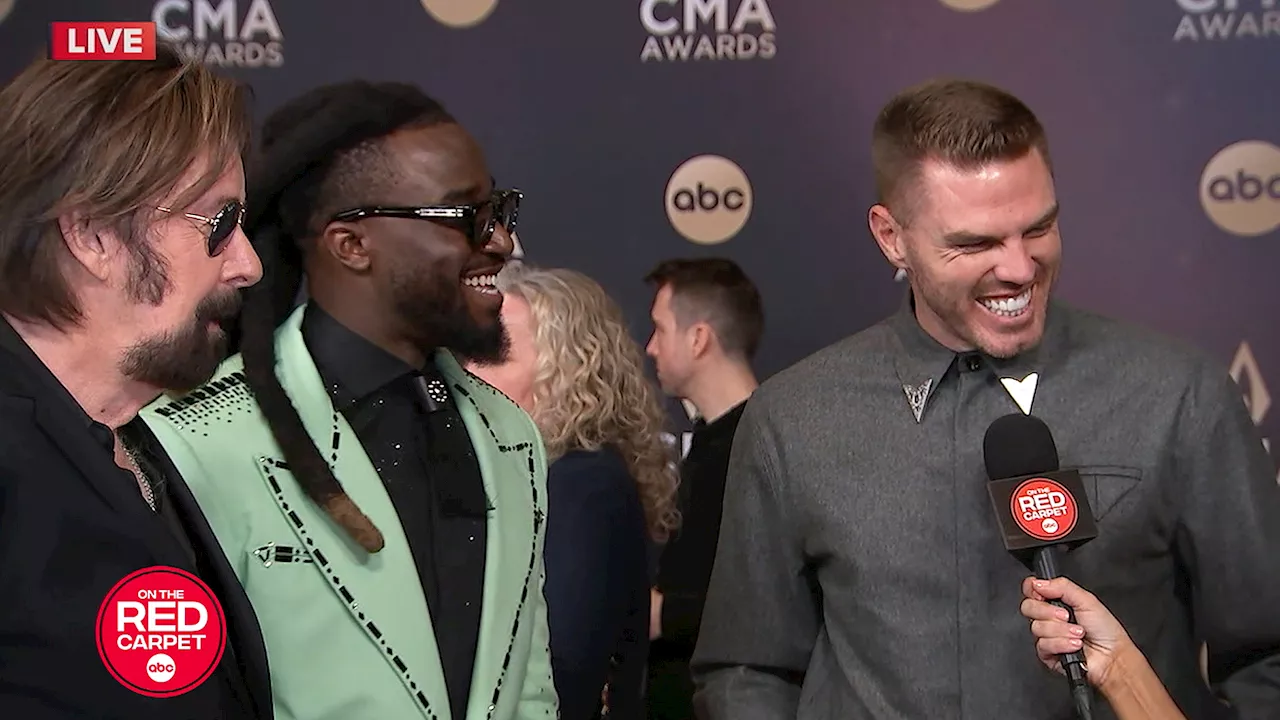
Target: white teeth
[[1009, 307], [486, 284]]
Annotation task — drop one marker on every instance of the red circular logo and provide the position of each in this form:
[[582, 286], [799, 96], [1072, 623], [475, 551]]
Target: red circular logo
[[161, 632], [1044, 509]]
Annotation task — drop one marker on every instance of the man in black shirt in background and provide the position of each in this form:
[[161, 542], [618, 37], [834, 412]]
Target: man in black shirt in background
[[707, 322]]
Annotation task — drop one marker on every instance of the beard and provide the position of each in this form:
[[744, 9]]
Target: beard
[[430, 305], [181, 360]]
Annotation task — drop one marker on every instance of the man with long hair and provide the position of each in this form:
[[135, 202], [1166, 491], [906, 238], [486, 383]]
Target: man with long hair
[[121, 258], [384, 508]]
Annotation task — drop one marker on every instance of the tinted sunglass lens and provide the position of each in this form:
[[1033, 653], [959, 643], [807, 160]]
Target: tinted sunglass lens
[[510, 208], [224, 226], [482, 228]]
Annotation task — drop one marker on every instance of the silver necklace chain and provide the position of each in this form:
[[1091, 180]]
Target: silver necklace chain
[[144, 483]]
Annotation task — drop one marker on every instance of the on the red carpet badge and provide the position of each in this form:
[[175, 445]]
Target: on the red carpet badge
[[102, 41], [1044, 509], [161, 632]]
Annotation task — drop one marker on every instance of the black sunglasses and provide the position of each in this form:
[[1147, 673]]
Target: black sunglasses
[[477, 221], [223, 224]]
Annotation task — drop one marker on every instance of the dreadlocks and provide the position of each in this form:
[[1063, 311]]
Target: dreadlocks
[[321, 153]]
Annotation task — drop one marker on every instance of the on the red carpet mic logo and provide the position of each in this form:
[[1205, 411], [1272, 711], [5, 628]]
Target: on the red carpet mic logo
[[1044, 509], [161, 632], [103, 41]]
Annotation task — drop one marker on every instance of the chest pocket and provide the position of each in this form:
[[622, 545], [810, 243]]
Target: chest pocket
[[1111, 489], [1131, 553]]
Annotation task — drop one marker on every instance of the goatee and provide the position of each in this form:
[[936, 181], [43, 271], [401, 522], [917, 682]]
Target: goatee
[[432, 307], [181, 360]]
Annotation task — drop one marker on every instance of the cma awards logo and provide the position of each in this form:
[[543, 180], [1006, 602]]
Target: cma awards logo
[[1245, 371], [683, 30], [1227, 20], [708, 199], [224, 33], [1240, 188]]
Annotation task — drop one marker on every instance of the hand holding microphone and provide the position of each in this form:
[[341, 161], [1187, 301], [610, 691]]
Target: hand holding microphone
[[1095, 631], [1115, 665]]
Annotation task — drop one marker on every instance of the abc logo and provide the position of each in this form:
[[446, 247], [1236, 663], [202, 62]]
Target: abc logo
[[1240, 188], [708, 199], [6, 7], [969, 5], [161, 668], [458, 13]]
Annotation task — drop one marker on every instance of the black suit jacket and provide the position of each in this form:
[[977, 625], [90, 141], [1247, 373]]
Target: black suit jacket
[[72, 525], [597, 586]]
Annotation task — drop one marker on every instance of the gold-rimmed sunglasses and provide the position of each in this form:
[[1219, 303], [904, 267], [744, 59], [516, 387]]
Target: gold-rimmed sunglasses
[[223, 224]]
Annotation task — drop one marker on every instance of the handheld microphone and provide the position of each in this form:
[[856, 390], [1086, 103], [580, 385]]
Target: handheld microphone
[[1042, 511]]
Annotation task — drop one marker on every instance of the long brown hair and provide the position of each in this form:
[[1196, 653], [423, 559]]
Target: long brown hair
[[105, 140]]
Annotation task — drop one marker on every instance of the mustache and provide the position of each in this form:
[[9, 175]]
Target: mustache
[[219, 307]]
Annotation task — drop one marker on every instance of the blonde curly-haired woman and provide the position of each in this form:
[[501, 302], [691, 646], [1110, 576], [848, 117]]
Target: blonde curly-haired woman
[[611, 485]]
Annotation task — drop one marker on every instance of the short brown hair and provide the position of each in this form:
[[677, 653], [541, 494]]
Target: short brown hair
[[961, 123], [104, 139], [715, 291]]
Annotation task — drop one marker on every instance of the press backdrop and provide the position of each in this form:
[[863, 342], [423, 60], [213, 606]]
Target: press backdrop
[[645, 129]]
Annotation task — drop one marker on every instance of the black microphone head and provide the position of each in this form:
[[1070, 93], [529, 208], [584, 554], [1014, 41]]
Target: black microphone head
[[1017, 445], [1036, 503]]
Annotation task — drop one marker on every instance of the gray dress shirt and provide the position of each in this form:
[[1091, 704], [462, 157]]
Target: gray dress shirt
[[860, 572]]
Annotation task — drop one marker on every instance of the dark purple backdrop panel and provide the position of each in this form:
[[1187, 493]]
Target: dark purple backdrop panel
[[572, 106]]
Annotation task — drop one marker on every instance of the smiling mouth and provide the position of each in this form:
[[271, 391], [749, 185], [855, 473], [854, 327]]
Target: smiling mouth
[[1008, 307], [483, 284]]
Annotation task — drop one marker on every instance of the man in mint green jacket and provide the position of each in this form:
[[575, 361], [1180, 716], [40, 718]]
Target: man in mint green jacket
[[383, 508]]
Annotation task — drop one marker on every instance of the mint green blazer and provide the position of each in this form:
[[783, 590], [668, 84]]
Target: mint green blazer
[[348, 633]]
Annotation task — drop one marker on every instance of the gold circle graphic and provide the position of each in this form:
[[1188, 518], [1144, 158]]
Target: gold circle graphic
[[459, 13], [1240, 188], [708, 199], [969, 5]]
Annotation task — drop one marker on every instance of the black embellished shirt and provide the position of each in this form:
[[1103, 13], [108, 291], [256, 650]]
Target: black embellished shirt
[[415, 439]]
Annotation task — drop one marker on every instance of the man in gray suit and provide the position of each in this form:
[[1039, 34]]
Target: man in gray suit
[[860, 571]]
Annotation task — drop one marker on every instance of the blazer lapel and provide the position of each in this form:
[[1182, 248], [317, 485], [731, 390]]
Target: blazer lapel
[[245, 635], [381, 592], [510, 556]]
